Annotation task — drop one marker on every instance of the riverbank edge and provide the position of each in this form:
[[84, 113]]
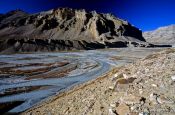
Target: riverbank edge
[[71, 90]]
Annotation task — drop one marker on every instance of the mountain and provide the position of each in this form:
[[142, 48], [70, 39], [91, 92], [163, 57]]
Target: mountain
[[65, 29], [162, 35]]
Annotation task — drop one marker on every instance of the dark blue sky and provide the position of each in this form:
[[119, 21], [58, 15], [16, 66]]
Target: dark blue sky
[[144, 14]]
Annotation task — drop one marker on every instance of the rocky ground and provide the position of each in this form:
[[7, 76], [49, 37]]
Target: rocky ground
[[144, 87]]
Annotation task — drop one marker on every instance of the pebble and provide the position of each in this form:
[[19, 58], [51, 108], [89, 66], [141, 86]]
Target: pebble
[[147, 70], [154, 85], [162, 100], [111, 87], [125, 76], [153, 98], [121, 87], [134, 107], [144, 113], [122, 109], [115, 75], [112, 105], [111, 112], [173, 77], [140, 91]]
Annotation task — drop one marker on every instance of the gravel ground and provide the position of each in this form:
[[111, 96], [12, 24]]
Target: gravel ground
[[144, 87]]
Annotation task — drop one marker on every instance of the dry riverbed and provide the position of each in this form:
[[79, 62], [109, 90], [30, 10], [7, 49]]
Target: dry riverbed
[[144, 87], [31, 80]]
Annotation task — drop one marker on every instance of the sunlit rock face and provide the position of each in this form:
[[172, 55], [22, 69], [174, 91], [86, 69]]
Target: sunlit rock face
[[65, 29], [163, 35]]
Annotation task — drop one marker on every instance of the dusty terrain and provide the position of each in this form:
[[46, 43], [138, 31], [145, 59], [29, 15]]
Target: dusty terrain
[[143, 87]]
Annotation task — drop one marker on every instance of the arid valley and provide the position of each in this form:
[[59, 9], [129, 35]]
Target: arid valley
[[58, 60], [28, 79]]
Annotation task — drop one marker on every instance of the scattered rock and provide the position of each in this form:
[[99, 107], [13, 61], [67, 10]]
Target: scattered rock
[[142, 100], [113, 105], [144, 113], [125, 76], [115, 77], [173, 77], [154, 85], [153, 98], [162, 100], [125, 81], [111, 112], [140, 91], [122, 84], [122, 109], [121, 87], [111, 87], [150, 93]]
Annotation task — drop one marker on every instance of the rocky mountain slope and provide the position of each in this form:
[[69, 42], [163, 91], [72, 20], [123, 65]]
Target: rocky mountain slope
[[65, 29], [163, 35]]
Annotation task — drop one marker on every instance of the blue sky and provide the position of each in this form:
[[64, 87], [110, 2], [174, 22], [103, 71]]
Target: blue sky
[[144, 14]]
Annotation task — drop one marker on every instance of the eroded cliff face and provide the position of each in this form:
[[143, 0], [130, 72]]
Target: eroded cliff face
[[65, 29]]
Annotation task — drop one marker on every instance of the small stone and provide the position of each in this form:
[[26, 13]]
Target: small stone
[[112, 105], [144, 113], [122, 81], [121, 88], [146, 70], [115, 75], [125, 81], [142, 100], [111, 112], [141, 113], [135, 107], [153, 98], [140, 91], [111, 87], [137, 81], [173, 77], [154, 85], [125, 76], [132, 108], [162, 100], [122, 109]]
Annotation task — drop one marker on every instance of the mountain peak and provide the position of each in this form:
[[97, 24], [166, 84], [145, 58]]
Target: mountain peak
[[74, 28], [17, 11]]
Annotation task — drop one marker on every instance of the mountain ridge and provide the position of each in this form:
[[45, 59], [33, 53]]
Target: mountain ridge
[[162, 35], [65, 29]]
